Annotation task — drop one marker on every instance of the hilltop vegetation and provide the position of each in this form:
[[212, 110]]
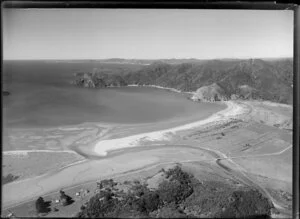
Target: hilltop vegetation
[[244, 79], [179, 195]]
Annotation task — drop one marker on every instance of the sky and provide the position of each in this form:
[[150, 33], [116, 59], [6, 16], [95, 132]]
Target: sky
[[146, 33]]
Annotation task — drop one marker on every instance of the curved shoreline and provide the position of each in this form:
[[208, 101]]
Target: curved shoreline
[[104, 146]]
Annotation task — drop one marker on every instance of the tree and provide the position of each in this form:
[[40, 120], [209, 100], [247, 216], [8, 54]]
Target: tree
[[151, 201], [177, 188], [65, 199], [247, 204], [41, 206]]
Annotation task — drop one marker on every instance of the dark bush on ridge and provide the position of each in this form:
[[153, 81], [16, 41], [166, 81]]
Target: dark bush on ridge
[[150, 201], [247, 203], [179, 196], [174, 191], [178, 188]]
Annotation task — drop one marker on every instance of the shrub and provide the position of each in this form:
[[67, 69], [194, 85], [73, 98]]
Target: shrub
[[101, 205], [150, 201], [174, 191], [139, 189], [178, 188], [93, 208], [247, 204], [176, 173]]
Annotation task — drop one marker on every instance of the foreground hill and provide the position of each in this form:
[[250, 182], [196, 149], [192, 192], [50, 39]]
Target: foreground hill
[[244, 79], [178, 195]]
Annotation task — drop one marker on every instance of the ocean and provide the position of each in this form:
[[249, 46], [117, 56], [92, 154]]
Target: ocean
[[41, 95]]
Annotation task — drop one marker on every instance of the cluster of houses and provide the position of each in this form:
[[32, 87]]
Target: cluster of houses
[[104, 185], [64, 199]]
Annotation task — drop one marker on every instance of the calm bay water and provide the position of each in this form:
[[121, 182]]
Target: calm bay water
[[42, 96]]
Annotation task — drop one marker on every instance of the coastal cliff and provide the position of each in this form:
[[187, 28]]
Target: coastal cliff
[[211, 80], [98, 80]]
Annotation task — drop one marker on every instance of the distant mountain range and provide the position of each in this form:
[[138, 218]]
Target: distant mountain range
[[270, 79]]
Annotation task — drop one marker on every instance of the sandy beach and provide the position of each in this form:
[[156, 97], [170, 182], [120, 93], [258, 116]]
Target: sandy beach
[[102, 147]]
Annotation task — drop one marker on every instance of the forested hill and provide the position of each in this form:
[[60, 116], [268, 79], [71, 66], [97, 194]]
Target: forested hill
[[253, 78]]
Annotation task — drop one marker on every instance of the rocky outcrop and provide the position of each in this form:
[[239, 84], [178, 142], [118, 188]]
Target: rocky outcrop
[[98, 80], [210, 93]]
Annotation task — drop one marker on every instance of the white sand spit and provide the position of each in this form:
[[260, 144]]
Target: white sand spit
[[102, 147]]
